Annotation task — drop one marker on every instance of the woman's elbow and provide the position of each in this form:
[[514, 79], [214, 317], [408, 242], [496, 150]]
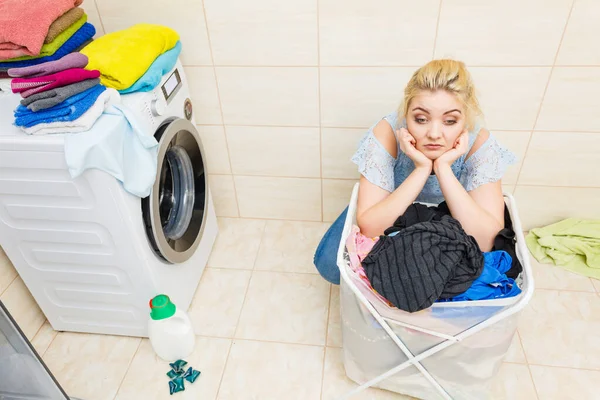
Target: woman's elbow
[[486, 238], [366, 227]]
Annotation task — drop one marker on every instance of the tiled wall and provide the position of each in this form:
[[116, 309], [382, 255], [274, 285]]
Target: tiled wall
[[285, 89]]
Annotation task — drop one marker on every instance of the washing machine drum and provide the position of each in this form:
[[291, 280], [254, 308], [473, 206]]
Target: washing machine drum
[[174, 213]]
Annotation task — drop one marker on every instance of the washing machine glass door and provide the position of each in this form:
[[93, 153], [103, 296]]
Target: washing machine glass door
[[174, 212]]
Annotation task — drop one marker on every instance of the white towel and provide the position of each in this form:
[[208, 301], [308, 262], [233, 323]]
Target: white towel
[[118, 145], [81, 124]]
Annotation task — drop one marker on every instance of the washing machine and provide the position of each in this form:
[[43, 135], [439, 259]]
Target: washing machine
[[91, 254]]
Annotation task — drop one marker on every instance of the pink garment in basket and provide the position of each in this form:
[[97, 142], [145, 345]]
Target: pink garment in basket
[[29, 86], [24, 24], [358, 247]]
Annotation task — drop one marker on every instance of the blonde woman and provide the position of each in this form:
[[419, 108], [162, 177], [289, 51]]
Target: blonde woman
[[432, 149]]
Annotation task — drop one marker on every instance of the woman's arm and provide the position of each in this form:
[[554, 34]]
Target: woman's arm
[[480, 211], [378, 209]]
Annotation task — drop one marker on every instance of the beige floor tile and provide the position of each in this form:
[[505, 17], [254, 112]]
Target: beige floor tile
[[515, 352], [596, 283], [90, 367], [334, 328], [265, 371], [218, 302], [565, 383], [237, 243], [289, 246], [8, 273], [547, 276], [513, 383], [285, 307], [23, 308], [43, 338], [146, 378], [558, 329], [336, 383]]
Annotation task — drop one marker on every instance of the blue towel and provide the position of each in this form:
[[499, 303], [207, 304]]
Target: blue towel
[[83, 34], [151, 78], [69, 110], [493, 282], [117, 145]]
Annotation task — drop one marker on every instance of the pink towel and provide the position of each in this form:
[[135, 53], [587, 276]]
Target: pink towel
[[72, 60], [24, 24], [29, 86]]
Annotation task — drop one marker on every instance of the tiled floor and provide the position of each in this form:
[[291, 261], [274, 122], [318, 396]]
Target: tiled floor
[[269, 328]]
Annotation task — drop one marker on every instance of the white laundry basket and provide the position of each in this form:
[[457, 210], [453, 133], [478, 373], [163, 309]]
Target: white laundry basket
[[451, 350]]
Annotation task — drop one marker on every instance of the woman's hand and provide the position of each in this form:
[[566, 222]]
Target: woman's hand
[[408, 147], [461, 146]]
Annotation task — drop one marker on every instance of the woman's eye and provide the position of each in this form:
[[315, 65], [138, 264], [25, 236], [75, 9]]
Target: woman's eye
[[450, 122], [420, 120]]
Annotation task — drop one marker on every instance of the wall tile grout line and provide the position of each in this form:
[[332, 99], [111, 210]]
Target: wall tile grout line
[[491, 129], [394, 66], [539, 111], [319, 107], [220, 107], [99, 16], [437, 29]]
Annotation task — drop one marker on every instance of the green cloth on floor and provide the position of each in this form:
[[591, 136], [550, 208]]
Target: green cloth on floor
[[573, 244]]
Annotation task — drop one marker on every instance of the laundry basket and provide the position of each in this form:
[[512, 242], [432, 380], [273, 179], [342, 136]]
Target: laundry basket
[[451, 350]]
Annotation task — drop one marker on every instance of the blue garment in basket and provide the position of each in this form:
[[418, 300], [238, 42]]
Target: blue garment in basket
[[69, 110], [151, 78], [493, 282], [117, 145], [83, 34]]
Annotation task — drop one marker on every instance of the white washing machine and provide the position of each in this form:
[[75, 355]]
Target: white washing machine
[[92, 254]]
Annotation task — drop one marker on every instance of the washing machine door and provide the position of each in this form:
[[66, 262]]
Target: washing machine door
[[175, 211]]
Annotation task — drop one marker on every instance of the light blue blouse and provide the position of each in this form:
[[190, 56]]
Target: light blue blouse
[[488, 164]]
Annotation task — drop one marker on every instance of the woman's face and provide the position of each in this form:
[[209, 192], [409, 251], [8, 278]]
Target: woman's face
[[435, 120]]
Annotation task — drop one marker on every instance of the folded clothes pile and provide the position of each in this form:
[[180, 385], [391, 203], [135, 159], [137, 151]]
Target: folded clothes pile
[[33, 33], [59, 96], [134, 59]]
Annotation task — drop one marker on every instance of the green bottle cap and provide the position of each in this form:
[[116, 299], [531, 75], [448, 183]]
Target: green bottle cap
[[161, 307]]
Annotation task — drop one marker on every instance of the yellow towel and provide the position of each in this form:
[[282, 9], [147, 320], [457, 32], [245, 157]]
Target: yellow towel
[[122, 57]]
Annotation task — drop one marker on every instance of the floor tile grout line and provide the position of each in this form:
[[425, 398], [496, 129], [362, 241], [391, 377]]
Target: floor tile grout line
[[326, 339], [128, 367], [39, 329], [214, 69], [233, 339], [10, 284], [266, 341], [527, 362], [564, 367], [437, 29], [539, 111], [50, 344]]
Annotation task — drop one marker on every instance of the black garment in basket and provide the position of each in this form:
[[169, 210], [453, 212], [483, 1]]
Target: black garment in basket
[[424, 262], [505, 239]]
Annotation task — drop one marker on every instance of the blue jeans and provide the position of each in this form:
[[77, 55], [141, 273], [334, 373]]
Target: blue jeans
[[326, 254]]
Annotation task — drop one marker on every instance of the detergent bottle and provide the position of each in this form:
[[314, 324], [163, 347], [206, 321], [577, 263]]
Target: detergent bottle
[[170, 330]]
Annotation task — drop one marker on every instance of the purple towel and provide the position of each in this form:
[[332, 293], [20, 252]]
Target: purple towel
[[73, 60]]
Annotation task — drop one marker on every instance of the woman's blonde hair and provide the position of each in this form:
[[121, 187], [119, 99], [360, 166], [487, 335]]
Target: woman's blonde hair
[[449, 75]]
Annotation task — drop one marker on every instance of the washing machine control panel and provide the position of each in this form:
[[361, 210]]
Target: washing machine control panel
[[171, 85]]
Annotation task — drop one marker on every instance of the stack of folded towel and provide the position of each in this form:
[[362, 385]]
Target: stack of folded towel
[[134, 59], [35, 32], [60, 96]]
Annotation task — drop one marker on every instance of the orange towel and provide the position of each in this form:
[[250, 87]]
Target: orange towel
[[24, 24]]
